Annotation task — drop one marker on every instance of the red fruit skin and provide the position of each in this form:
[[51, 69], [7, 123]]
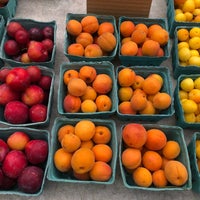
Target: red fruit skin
[[8, 183], [35, 73], [18, 79], [38, 113], [3, 74], [13, 27], [37, 52], [48, 32], [22, 36], [34, 94], [16, 112], [4, 149], [45, 82], [11, 48], [1, 177], [48, 44], [14, 163], [7, 94], [36, 151], [30, 180], [36, 34]]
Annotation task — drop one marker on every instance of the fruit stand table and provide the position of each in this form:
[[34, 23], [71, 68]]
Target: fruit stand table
[[48, 10]]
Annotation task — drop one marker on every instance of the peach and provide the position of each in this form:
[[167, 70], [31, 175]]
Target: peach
[[71, 103], [102, 83]]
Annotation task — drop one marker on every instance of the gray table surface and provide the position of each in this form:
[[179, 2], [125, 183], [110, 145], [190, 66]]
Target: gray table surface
[[47, 10]]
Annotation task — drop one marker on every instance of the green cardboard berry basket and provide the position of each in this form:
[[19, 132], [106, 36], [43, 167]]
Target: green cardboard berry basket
[[179, 113], [27, 24], [171, 19], [101, 67], [69, 39], [172, 133], [67, 177], [2, 29], [9, 10], [193, 162], [144, 60], [33, 134], [45, 71], [144, 71], [177, 68]]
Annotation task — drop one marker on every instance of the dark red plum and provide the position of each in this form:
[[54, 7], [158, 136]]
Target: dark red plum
[[48, 32], [36, 34], [38, 113], [4, 149], [11, 48]]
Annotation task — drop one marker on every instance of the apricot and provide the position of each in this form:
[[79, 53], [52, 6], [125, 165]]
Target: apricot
[[156, 139], [87, 73], [90, 24], [102, 135], [138, 101], [126, 28], [65, 129], [74, 27], [84, 39], [85, 129], [75, 49], [90, 94], [138, 36], [103, 103], [88, 106], [71, 103], [150, 48], [68, 74], [76, 87], [107, 41], [142, 26], [138, 82], [126, 77], [87, 144], [159, 179], [142, 177], [93, 50], [152, 28], [131, 158], [149, 109], [134, 135], [161, 36], [62, 160], [126, 108], [83, 177], [102, 83], [82, 160], [176, 172], [101, 171], [162, 100], [125, 93], [105, 27], [129, 48]]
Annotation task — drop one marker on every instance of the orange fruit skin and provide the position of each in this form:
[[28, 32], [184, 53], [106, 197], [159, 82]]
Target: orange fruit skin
[[103, 102], [87, 73], [71, 103], [102, 135], [75, 49], [68, 74], [126, 28], [129, 48], [90, 24], [159, 179], [150, 48], [84, 39], [74, 27], [105, 27], [65, 129]]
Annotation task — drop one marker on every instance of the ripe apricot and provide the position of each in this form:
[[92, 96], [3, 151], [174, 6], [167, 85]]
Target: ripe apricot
[[102, 83], [161, 36], [156, 139], [126, 39], [101, 171], [75, 49], [161, 52], [71, 103], [131, 158], [87, 73], [162, 100], [68, 74], [76, 87], [85, 129], [125, 93], [105, 27], [149, 109], [83, 177], [90, 93], [65, 129], [151, 85], [138, 36], [88, 106], [157, 76], [90, 24], [129, 48], [159, 179], [126, 28], [176, 172], [171, 150], [142, 26], [138, 82], [134, 135], [82, 160], [126, 77], [126, 108], [93, 50], [87, 144], [107, 41], [150, 48], [138, 101], [62, 160], [74, 27], [152, 28], [70, 142], [142, 177], [102, 152], [103, 103], [84, 39], [152, 160], [102, 135]]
